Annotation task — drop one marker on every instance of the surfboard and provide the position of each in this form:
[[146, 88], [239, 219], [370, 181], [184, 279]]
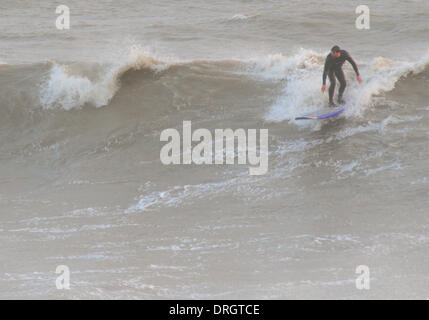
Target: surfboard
[[322, 114]]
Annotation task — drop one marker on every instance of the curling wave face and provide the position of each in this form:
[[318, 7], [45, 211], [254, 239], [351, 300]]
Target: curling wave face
[[82, 184]]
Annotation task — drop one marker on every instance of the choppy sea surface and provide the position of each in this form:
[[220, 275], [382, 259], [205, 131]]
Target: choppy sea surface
[[82, 184]]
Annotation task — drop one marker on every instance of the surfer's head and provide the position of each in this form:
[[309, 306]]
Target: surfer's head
[[335, 51]]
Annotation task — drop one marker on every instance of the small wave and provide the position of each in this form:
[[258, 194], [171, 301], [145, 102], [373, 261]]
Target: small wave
[[238, 17], [176, 195]]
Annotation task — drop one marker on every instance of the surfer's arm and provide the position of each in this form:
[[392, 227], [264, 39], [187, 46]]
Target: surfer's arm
[[325, 70], [353, 63]]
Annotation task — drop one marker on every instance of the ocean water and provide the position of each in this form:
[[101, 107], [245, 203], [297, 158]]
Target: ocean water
[[82, 184]]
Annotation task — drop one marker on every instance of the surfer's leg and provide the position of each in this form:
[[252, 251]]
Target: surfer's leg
[[342, 79], [331, 87]]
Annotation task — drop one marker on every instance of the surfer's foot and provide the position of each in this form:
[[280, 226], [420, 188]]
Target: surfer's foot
[[332, 105]]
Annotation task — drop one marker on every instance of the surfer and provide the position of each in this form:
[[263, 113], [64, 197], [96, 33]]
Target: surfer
[[333, 68]]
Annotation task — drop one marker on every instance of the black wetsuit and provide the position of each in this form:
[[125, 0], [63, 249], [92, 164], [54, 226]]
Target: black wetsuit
[[333, 68]]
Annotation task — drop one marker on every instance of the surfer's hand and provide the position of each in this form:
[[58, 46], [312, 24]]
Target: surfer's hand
[[324, 88], [359, 79]]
